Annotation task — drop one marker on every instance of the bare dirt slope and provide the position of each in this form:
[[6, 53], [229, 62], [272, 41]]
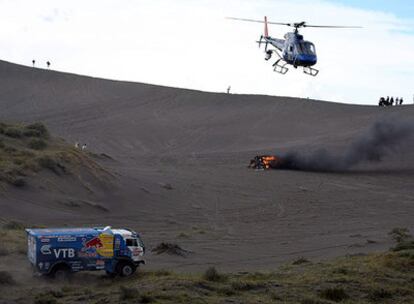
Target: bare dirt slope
[[180, 159]]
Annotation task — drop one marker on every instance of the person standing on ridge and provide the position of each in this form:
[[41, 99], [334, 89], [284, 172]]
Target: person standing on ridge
[[48, 64], [33, 62]]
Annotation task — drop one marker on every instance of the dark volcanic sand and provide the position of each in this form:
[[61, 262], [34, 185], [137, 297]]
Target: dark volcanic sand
[[200, 144]]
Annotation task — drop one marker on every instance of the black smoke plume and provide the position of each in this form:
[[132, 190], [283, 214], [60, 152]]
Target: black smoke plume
[[381, 139]]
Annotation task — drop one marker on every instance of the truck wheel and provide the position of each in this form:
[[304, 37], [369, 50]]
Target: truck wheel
[[125, 269], [61, 273]]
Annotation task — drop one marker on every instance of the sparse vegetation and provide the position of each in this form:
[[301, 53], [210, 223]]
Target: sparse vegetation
[[211, 274], [13, 132], [362, 279], [37, 144], [27, 150], [300, 260], [13, 225], [336, 294], [36, 129], [404, 240]]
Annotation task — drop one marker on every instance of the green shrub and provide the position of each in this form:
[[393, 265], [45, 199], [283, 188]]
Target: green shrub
[[13, 132], [403, 238], [211, 274], [17, 181], [400, 234], [13, 225], [37, 144], [37, 129], [300, 261], [336, 294]]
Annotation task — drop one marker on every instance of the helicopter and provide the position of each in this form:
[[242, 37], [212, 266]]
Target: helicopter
[[293, 50]]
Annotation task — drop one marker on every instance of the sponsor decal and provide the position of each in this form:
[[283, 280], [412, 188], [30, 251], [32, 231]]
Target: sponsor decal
[[64, 253], [44, 240], [87, 254], [94, 243], [45, 249], [67, 238]]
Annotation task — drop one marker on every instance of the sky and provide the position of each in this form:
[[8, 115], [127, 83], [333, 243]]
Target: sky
[[190, 44]]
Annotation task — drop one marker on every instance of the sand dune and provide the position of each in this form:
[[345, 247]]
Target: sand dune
[[180, 158]]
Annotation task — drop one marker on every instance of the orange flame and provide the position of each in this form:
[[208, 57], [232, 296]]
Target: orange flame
[[267, 160]]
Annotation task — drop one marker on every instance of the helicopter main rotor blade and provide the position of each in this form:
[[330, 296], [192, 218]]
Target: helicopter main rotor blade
[[295, 25], [258, 21], [331, 26]]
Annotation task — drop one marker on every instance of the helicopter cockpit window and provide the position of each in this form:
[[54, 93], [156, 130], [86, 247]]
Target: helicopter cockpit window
[[307, 48]]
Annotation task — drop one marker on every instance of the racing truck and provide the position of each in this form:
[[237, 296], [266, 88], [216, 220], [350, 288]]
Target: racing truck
[[58, 252]]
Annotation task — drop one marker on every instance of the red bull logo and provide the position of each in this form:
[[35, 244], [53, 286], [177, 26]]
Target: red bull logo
[[94, 243]]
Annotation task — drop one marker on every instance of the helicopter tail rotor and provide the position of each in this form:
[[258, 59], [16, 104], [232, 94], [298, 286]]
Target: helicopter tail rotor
[[260, 41]]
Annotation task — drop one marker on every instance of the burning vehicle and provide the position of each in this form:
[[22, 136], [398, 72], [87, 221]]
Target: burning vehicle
[[264, 162]]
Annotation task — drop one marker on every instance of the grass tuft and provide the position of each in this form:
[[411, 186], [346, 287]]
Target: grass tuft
[[212, 275], [336, 294]]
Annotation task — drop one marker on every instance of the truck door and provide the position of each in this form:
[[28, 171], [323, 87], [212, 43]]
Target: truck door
[[136, 248]]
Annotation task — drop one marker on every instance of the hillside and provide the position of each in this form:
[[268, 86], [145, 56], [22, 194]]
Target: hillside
[[180, 159]]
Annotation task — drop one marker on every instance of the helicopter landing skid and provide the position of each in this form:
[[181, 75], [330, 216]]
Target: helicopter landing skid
[[310, 71], [280, 68]]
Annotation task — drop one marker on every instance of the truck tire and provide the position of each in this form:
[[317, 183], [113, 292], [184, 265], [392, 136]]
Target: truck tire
[[60, 272], [125, 269]]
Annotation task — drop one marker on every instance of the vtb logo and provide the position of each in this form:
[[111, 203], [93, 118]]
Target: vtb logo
[[64, 253]]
